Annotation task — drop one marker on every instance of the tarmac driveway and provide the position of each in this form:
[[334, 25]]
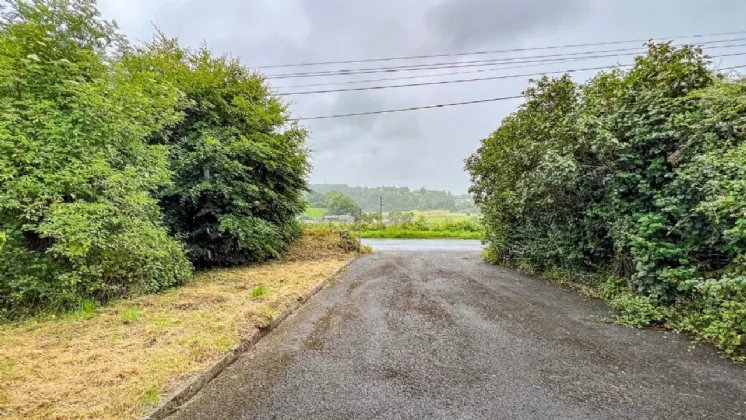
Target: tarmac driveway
[[442, 335]]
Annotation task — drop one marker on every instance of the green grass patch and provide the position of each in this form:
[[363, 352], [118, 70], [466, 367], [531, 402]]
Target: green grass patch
[[129, 315], [259, 291], [315, 213], [435, 216], [151, 395], [86, 310]]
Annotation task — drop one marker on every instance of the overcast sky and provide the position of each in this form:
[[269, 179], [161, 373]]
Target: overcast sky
[[421, 148]]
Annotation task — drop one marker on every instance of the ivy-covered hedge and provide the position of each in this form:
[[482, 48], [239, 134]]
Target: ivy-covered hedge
[[637, 177], [98, 140]]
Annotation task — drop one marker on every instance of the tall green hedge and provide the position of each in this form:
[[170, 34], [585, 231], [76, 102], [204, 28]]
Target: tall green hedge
[[117, 163], [240, 165], [638, 176], [75, 175]]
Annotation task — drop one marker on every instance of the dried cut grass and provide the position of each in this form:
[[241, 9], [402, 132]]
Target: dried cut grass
[[121, 360], [319, 242]]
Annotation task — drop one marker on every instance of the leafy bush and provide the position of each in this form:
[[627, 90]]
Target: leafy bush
[[239, 163], [117, 163], [639, 174], [76, 177], [636, 311]]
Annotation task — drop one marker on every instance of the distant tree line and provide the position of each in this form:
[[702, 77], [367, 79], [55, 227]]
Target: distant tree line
[[337, 203], [394, 198]]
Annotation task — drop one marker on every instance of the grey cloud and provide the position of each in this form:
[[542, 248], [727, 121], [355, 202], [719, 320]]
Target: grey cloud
[[473, 23], [420, 148], [364, 29]]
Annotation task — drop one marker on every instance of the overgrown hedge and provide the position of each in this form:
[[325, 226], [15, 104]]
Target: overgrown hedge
[[98, 140], [240, 166], [637, 177]]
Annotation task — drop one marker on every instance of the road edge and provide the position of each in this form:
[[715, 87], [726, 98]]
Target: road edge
[[196, 384]]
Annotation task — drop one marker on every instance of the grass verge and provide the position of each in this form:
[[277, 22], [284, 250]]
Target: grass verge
[[120, 360], [689, 317], [434, 216]]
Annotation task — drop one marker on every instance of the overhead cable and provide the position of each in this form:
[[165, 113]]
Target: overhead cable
[[416, 108], [552, 47], [478, 79], [472, 63]]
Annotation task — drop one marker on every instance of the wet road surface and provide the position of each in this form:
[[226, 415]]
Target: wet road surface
[[442, 335], [423, 244]]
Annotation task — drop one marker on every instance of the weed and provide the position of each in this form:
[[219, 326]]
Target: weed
[[151, 395], [129, 315], [613, 286], [86, 310], [269, 313], [259, 291]]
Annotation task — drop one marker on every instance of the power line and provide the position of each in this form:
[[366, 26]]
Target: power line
[[445, 82], [472, 63], [504, 98], [384, 79], [552, 61], [449, 64], [416, 108], [411, 57], [478, 79]]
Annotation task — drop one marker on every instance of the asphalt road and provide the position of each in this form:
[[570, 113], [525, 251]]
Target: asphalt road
[[423, 244], [441, 335]]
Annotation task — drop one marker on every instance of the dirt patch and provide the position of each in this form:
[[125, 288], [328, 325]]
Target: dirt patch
[[316, 340]]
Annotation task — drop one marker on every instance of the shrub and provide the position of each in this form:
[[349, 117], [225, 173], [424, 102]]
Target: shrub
[[637, 174], [636, 311], [76, 175], [239, 163]]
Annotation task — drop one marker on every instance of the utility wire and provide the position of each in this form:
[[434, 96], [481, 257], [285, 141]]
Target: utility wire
[[416, 108], [452, 73], [449, 64], [367, 60], [478, 79], [472, 63], [504, 98], [551, 61]]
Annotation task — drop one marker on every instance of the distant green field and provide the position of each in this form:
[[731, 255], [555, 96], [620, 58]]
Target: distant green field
[[441, 215], [432, 216], [315, 213]]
